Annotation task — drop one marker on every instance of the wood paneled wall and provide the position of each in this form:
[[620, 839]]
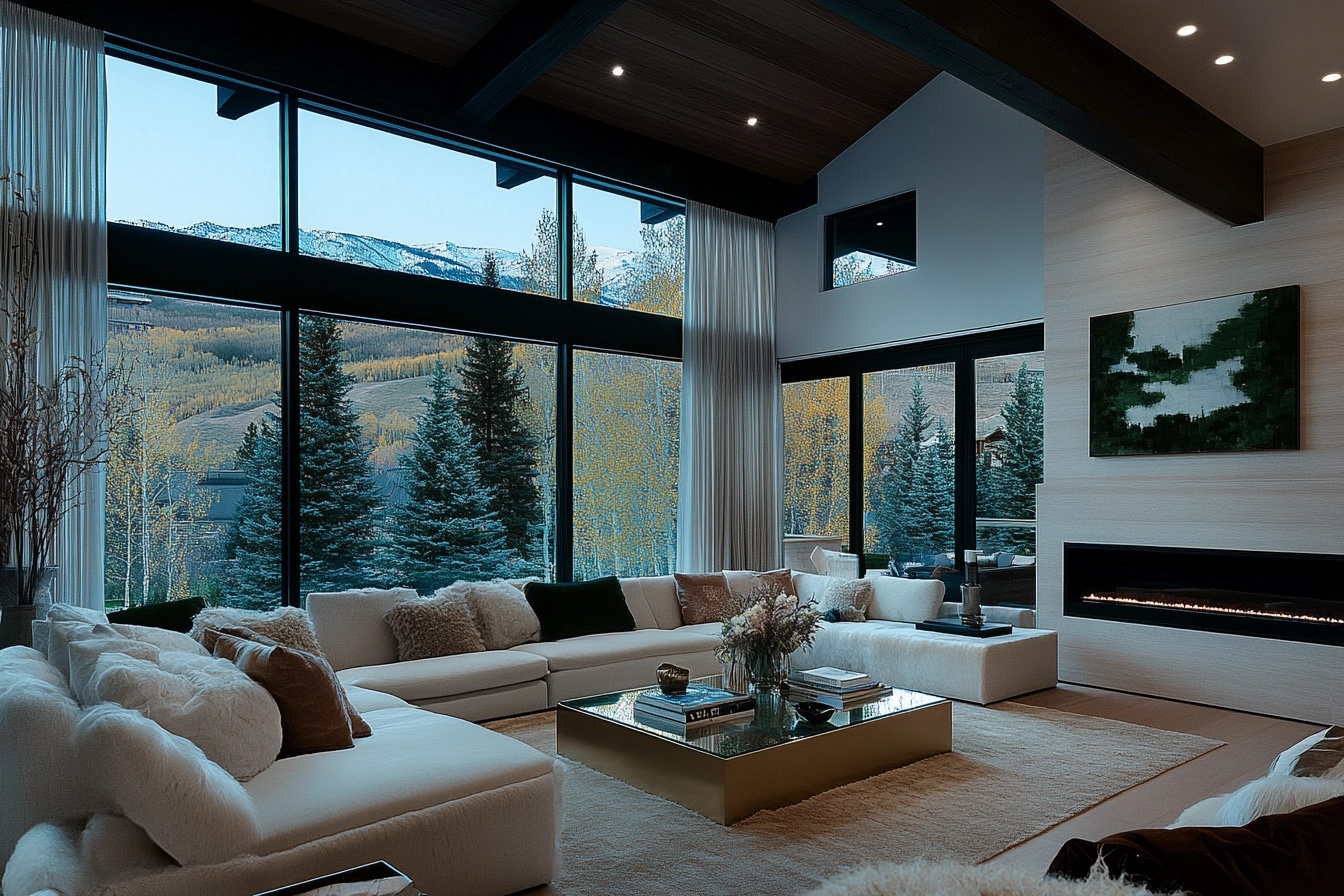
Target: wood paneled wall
[[1114, 243]]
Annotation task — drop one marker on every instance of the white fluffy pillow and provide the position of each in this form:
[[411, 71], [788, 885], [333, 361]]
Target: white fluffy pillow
[[208, 701], [905, 600], [502, 614], [1274, 796], [187, 804], [84, 657], [72, 613], [161, 638], [1326, 760], [61, 633], [288, 626]]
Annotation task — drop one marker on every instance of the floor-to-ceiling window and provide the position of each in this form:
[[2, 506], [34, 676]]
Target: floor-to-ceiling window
[[322, 420], [948, 454]]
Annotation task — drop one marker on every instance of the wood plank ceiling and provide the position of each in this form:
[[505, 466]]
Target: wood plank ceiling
[[694, 71]]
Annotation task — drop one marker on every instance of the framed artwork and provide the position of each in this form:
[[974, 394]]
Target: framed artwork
[[1214, 375]]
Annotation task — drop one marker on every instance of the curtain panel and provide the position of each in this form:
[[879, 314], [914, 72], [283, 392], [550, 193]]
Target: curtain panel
[[729, 513], [52, 130]]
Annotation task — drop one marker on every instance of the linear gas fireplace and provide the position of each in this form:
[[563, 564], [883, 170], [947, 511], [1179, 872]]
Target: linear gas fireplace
[[1291, 597]]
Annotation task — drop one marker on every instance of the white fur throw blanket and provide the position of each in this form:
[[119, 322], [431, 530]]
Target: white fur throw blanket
[[923, 878]]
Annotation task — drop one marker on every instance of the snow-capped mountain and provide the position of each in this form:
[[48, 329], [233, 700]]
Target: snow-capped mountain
[[446, 260]]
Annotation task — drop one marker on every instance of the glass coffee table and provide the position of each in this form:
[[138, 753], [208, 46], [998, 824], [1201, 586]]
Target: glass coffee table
[[727, 772]]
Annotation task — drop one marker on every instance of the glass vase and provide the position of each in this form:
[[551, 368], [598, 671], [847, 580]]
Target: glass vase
[[766, 669]]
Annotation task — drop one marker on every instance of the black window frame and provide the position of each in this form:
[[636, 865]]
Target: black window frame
[[285, 280], [962, 352], [835, 219]]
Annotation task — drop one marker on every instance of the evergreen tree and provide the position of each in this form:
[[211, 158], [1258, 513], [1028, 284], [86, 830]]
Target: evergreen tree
[[490, 269], [445, 530], [1024, 444], [904, 487], [490, 402], [255, 535], [338, 500]]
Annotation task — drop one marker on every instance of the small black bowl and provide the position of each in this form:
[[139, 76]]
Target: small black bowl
[[816, 713]]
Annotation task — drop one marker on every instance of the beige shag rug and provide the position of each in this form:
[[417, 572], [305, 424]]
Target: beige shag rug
[[1015, 771]]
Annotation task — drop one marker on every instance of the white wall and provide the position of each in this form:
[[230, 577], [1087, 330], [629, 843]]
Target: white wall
[[1114, 243], [976, 167]]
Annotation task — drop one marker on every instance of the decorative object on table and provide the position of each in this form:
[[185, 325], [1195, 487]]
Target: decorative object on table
[[673, 679], [814, 713], [970, 592], [953, 627], [52, 429], [696, 706], [835, 688], [377, 879], [1213, 375], [768, 627]]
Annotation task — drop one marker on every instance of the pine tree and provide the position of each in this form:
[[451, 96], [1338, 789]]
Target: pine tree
[[255, 535], [904, 489], [490, 269], [445, 529], [490, 402], [1024, 444], [338, 499]]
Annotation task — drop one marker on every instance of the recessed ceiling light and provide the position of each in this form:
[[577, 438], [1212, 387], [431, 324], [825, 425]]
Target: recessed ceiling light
[[879, 223], [1333, 76], [752, 121], [1186, 30], [1223, 60], [617, 71]]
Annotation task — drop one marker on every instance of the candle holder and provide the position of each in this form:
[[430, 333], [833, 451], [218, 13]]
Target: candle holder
[[971, 614]]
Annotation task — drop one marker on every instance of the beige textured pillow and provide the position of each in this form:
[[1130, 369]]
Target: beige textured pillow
[[289, 626], [501, 613], [744, 583], [437, 626], [704, 597], [846, 599]]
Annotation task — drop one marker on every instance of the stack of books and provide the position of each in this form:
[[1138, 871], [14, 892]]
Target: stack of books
[[839, 688], [699, 707]]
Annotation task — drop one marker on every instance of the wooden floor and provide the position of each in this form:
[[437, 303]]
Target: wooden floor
[[1252, 742]]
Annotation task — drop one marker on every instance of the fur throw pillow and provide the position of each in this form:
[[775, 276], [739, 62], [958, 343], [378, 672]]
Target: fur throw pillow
[[289, 626], [703, 597], [502, 614], [845, 600], [441, 625], [926, 878], [746, 586]]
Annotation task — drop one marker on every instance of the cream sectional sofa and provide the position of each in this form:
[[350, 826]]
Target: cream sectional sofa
[[459, 808]]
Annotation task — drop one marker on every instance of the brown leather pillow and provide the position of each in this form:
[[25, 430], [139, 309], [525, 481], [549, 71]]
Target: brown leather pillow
[[210, 636], [1289, 853], [704, 597], [312, 708]]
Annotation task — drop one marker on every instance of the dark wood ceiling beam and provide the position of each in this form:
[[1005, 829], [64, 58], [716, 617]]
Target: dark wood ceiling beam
[[531, 38], [247, 41], [1034, 57]]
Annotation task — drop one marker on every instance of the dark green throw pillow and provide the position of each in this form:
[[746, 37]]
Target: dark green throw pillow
[[173, 615], [567, 610]]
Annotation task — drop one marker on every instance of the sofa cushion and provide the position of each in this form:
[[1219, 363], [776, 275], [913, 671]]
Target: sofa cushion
[[312, 711], [570, 609], [187, 804], [206, 700], [652, 601], [441, 625], [502, 613], [415, 760], [74, 613], [1319, 756], [289, 626], [905, 600], [1290, 853], [366, 700], [703, 597], [173, 615], [602, 649], [447, 676], [745, 584], [350, 626]]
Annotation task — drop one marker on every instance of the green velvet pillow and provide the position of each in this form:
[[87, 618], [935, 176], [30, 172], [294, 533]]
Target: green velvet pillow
[[173, 615], [567, 610]]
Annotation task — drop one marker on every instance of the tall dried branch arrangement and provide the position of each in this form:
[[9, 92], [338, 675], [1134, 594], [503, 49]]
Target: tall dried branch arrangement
[[51, 432]]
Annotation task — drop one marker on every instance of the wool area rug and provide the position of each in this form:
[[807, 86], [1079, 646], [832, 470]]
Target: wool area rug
[[1015, 771]]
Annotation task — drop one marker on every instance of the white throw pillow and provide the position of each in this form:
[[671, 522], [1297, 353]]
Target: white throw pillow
[[905, 600], [209, 701], [72, 613], [84, 656], [1274, 796], [503, 615], [60, 634], [1202, 814], [1327, 760], [161, 638], [187, 804]]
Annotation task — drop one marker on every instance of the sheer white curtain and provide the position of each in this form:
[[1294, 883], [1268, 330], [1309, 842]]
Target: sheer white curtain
[[729, 512], [52, 129]]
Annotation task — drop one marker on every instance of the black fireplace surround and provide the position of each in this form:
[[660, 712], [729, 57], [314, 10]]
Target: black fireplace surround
[[1265, 594]]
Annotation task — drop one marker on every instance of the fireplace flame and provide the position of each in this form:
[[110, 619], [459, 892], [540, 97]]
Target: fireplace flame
[[1209, 608]]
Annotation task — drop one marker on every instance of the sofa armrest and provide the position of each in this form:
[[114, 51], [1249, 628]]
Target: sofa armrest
[[1017, 617]]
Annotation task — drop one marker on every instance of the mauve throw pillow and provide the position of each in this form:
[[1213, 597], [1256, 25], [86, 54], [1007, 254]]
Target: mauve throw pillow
[[441, 625], [570, 609], [704, 597], [210, 637], [289, 626], [312, 708]]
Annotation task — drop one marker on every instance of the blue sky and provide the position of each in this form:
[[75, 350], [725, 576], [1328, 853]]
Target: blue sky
[[171, 159]]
